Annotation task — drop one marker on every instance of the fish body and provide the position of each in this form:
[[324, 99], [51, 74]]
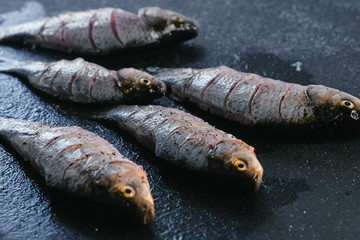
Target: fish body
[[104, 31], [187, 141], [85, 82], [77, 161], [254, 100]]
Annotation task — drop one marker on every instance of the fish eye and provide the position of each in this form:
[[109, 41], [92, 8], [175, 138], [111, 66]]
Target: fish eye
[[348, 104], [128, 191], [240, 165], [177, 19], [145, 81]]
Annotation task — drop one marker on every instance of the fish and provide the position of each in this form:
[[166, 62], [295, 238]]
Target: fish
[[253, 100], [186, 141], [104, 31], [81, 163], [85, 82]]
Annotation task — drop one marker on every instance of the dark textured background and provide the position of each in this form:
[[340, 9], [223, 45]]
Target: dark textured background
[[311, 183]]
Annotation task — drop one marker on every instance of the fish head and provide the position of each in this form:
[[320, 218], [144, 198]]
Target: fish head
[[236, 160], [131, 190], [334, 107], [139, 86], [168, 26]]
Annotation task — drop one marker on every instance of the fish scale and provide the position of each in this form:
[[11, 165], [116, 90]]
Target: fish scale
[[187, 141], [252, 100], [221, 84], [104, 31], [85, 82], [79, 162]]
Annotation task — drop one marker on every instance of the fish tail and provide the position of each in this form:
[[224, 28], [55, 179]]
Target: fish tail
[[161, 73], [2, 124], [109, 113], [99, 113], [91, 114], [7, 34], [175, 79], [9, 65], [30, 11], [14, 25], [10, 127], [24, 68], [171, 75], [19, 33]]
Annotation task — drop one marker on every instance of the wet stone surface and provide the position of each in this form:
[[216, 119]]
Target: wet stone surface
[[311, 183]]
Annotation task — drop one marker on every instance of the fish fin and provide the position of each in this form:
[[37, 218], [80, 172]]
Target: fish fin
[[8, 65], [163, 74], [24, 68], [108, 113], [22, 24], [30, 11], [84, 111], [157, 70], [171, 75]]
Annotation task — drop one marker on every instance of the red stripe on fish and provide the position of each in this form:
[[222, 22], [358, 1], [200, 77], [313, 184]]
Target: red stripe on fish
[[82, 158], [135, 112], [69, 87], [253, 95], [52, 80], [52, 141], [93, 19], [208, 85], [230, 91], [148, 117], [64, 37], [163, 122], [72, 147], [283, 97], [93, 80], [113, 26], [191, 79], [195, 138], [44, 72]]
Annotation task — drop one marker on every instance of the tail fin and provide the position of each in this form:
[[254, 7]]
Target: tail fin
[[171, 76], [157, 70], [24, 68], [31, 11], [12, 126], [14, 25], [165, 75], [9, 65], [89, 112], [21, 32], [114, 113]]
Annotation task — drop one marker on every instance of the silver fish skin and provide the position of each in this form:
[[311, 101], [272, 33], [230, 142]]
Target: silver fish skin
[[187, 141], [85, 82], [104, 31], [79, 162], [254, 100]]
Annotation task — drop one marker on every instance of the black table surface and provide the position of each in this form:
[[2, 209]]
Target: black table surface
[[311, 183]]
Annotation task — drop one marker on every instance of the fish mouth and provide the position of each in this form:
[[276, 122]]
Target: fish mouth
[[186, 30], [146, 95], [251, 182], [190, 25], [249, 186], [258, 179], [149, 214]]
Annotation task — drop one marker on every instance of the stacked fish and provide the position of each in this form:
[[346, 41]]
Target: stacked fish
[[77, 161]]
